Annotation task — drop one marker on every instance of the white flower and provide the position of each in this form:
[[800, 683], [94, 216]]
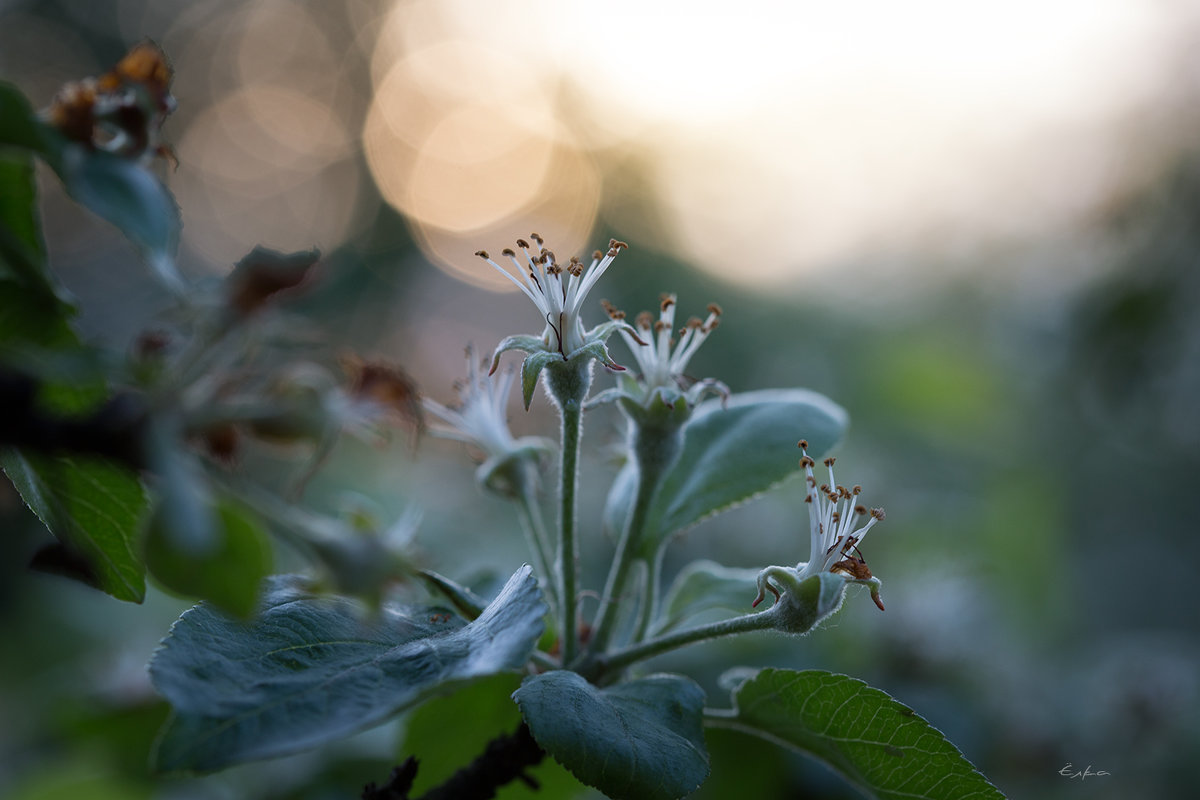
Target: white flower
[[663, 360], [834, 534], [479, 418], [557, 290]]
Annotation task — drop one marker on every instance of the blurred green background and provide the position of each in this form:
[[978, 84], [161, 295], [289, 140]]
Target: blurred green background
[[977, 228]]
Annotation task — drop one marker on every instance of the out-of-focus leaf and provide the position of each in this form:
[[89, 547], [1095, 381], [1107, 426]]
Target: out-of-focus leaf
[[129, 196], [19, 126], [877, 743], [706, 586], [230, 575], [733, 452], [22, 251], [448, 732], [95, 507], [643, 739], [312, 669]]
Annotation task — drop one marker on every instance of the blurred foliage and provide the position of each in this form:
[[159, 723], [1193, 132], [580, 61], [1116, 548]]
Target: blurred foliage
[[1037, 457]]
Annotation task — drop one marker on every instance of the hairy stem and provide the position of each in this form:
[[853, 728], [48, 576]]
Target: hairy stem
[[620, 659], [655, 448], [568, 383], [650, 601], [623, 558], [537, 537]]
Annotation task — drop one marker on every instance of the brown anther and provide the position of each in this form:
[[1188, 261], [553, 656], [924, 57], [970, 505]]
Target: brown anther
[[537, 238], [482, 253], [857, 490], [645, 321], [713, 308], [829, 461], [575, 268], [508, 251], [811, 481], [802, 444], [616, 244], [824, 488], [659, 325], [548, 254], [712, 326], [835, 517], [860, 509], [665, 301], [692, 323], [612, 311], [806, 461], [597, 255], [878, 514], [808, 498], [521, 243]]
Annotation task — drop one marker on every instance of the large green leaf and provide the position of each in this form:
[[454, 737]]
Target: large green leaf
[[877, 743], [94, 507], [733, 452], [639, 740], [22, 251], [313, 668]]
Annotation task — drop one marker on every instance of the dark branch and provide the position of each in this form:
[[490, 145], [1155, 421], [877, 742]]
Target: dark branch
[[113, 431], [504, 760]]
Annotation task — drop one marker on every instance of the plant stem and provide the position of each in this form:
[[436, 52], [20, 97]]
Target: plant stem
[[530, 514], [655, 445], [623, 558], [572, 429], [650, 600], [620, 659]]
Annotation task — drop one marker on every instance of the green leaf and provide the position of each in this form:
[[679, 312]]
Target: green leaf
[[129, 196], [641, 740], [229, 575], [446, 733], [19, 126], [22, 251], [877, 743], [95, 507], [707, 586], [732, 453], [312, 669]]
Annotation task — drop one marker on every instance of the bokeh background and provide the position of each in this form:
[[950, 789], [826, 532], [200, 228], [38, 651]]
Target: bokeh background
[[974, 225]]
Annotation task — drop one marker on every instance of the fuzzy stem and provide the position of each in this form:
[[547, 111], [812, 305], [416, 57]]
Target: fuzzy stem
[[568, 383], [655, 448], [536, 535], [620, 659], [650, 601], [623, 558]]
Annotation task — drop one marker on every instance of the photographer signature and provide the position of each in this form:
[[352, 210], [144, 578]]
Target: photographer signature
[[1070, 772]]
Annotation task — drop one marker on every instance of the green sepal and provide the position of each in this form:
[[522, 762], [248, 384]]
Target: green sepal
[[802, 604], [524, 343], [531, 368]]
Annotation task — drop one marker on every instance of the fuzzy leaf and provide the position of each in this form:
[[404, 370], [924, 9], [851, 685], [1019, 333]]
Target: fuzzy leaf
[[312, 669], [875, 742], [738, 450], [641, 740]]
